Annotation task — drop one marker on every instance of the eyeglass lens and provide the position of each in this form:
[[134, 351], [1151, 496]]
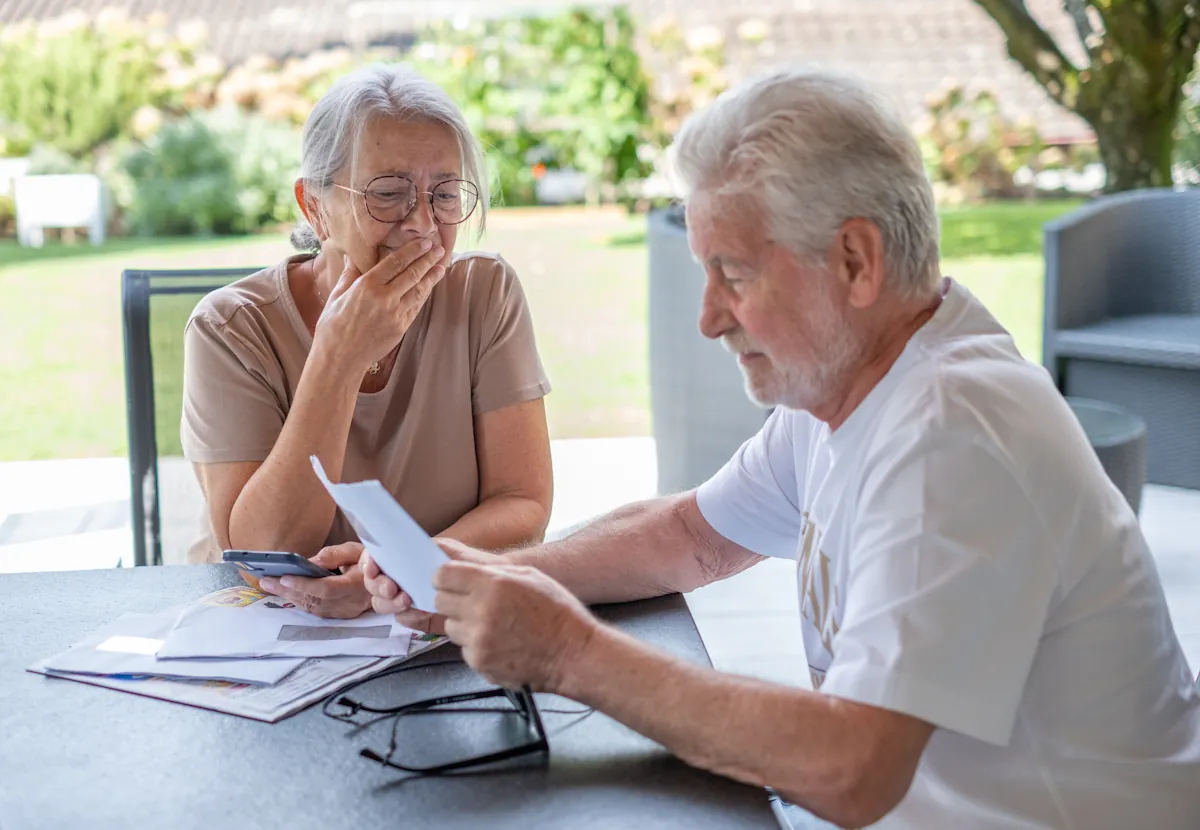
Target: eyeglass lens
[[462, 731], [455, 730]]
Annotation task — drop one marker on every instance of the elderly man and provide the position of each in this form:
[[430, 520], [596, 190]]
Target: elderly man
[[984, 626]]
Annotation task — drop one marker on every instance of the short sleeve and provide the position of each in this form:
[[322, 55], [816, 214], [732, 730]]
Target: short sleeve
[[948, 587], [754, 500], [508, 369], [230, 412]]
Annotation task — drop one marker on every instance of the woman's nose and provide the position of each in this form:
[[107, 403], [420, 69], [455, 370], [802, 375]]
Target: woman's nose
[[421, 219]]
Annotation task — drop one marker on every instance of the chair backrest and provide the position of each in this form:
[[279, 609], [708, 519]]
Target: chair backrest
[[1130, 253], [156, 306]]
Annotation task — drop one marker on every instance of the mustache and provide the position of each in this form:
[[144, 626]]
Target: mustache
[[740, 344]]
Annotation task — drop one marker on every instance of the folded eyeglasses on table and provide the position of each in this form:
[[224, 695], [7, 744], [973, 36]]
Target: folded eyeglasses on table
[[496, 725]]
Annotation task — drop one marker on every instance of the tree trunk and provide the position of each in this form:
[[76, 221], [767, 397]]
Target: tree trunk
[[1136, 149], [1131, 100]]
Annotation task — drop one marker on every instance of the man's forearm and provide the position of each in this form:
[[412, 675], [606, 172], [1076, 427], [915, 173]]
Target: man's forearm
[[647, 549], [805, 745], [284, 506]]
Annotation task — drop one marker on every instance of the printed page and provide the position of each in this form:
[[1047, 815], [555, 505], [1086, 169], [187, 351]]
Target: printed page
[[244, 622], [127, 645]]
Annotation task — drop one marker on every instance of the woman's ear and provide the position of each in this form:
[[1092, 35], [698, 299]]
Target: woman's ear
[[308, 207]]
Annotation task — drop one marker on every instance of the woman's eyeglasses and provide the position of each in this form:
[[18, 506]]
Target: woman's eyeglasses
[[392, 199]]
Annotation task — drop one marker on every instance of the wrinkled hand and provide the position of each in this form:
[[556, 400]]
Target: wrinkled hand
[[515, 624], [388, 598], [367, 314], [333, 597]]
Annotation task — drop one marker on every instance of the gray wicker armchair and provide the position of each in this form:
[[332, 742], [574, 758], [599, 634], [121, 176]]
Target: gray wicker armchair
[[1122, 317]]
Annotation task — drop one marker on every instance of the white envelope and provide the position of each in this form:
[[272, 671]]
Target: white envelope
[[244, 622], [395, 541], [126, 646]]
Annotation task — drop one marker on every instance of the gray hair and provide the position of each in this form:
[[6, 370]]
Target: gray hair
[[336, 124], [819, 148]]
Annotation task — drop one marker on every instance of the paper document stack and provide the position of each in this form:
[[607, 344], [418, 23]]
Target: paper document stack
[[248, 653], [238, 651]]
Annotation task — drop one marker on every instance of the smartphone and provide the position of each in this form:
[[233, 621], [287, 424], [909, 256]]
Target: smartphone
[[275, 563]]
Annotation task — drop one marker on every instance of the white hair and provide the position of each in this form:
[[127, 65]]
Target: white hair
[[335, 127], [816, 149]]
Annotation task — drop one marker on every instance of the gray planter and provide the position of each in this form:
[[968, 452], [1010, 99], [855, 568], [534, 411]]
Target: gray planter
[[701, 414]]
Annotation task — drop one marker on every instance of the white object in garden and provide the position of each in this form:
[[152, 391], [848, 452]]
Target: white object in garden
[[560, 187], [11, 169], [70, 201]]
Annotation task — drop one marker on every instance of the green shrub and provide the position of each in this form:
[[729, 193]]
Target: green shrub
[[565, 91], [971, 149], [216, 173], [15, 141], [183, 183], [266, 162], [8, 215], [74, 84], [46, 161]]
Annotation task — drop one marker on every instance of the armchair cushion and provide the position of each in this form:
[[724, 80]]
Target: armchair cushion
[[1168, 340]]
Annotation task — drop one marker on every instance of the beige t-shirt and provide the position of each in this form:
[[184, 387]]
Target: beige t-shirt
[[469, 350]]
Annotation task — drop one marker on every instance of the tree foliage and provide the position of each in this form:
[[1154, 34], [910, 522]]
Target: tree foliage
[[1135, 57]]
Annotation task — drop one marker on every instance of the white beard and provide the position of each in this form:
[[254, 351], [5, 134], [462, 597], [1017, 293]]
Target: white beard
[[810, 385]]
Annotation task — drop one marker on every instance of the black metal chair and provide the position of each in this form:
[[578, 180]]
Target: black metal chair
[[155, 309]]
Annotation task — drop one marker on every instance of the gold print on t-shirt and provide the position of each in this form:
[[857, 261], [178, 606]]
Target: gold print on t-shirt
[[819, 599]]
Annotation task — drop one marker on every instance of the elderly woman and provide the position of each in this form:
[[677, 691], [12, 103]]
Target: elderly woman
[[382, 353]]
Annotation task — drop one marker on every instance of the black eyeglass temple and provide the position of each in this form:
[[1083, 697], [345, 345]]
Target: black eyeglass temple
[[355, 706], [540, 745]]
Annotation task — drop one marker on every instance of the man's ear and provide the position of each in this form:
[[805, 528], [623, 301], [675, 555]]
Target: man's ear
[[308, 207], [856, 257]]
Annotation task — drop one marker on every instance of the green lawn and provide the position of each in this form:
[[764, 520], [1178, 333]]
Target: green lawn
[[998, 229], [584, 273]]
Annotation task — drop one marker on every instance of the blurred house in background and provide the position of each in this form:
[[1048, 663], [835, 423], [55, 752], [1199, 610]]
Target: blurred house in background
[[910, 49]]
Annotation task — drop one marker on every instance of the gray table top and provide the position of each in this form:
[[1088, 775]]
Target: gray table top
[[74, 755]]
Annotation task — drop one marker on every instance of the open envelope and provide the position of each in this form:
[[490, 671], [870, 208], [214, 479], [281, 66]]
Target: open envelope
[[243, 622], [395, 541], [126, 646]]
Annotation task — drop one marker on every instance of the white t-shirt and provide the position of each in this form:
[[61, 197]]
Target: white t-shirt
[[963, 558]]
